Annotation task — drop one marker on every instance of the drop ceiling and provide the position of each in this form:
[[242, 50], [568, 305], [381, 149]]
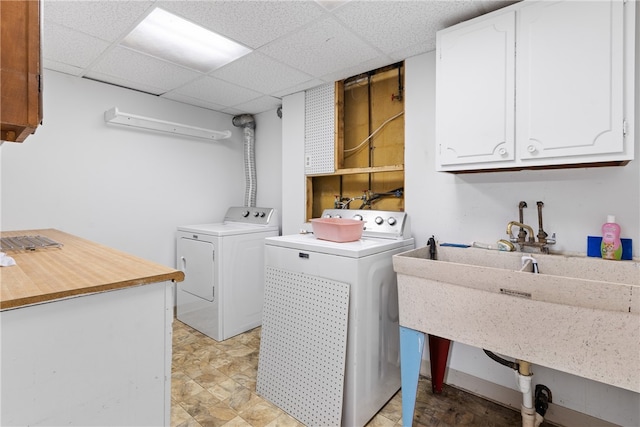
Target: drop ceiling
[[297, 45]]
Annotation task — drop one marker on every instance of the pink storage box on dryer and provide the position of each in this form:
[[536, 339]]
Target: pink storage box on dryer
[[339, 230]]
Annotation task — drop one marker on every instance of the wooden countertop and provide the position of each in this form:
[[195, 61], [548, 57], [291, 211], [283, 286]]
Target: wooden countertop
[[78, 267]]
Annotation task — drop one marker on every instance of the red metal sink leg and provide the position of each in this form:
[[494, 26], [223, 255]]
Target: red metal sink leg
[[438, 353]]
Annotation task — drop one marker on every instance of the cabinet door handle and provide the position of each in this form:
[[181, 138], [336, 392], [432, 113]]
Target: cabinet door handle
[[184, 263], [531, 149], [502, 151]]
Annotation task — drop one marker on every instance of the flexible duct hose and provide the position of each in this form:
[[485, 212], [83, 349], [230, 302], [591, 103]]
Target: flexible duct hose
[[248, 124]]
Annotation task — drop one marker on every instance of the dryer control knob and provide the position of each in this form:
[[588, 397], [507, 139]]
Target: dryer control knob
[[262, 214], [392, 221], [245, 214], [256, 214], [379, 220], [358, 217]]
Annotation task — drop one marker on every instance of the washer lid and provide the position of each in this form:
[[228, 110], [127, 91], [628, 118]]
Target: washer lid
[[227, 228], [360, 248]]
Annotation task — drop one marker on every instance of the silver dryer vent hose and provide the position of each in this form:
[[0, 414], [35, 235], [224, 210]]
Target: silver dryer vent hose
[[248, 124]]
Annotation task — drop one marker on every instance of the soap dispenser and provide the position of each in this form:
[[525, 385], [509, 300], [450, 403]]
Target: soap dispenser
[[611, 247]]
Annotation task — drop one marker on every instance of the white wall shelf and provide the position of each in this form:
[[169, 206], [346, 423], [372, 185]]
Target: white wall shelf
[[117, 117]]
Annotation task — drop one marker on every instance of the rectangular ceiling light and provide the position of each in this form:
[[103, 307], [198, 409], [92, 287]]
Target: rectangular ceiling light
[[171, 38]]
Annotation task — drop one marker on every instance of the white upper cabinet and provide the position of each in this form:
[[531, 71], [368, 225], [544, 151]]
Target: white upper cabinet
[[537, 84], [475, 92]]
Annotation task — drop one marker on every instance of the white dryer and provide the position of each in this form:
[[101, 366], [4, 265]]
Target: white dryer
[[330, 350], [222, 293]]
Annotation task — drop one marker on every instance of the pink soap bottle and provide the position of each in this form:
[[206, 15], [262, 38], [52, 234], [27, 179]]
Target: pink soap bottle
[[611, 247]]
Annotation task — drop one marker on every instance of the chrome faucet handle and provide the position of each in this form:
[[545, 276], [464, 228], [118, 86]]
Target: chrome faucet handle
[[551, 240]]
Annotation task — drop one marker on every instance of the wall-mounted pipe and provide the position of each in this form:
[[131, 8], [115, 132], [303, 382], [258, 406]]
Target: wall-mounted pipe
[[248, 124]]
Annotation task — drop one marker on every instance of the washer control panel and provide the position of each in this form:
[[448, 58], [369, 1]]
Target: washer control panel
[[382, 224]]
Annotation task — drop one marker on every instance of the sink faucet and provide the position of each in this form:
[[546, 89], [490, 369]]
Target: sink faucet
[[543, 241], [522, 235]]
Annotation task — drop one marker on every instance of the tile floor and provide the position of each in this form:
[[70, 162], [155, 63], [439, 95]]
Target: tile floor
[[214, 383]]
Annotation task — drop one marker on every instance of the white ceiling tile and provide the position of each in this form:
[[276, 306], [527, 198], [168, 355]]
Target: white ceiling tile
[[71, 47], [193, 101], [404, 22], [136, 67], [217, 91], [108, 20], [258, 105], [260, 73], [299, 88], [317, 48]]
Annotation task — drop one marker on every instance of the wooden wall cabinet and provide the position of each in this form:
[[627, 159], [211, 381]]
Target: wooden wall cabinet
[[20, 69], [368, 144]]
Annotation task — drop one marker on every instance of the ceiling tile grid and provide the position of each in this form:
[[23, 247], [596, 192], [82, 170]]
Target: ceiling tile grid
[[298, 44], [272, 76], [317, 48], [125, 63]]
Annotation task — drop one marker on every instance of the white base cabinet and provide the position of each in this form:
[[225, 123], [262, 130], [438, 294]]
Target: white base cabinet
[[102, 359], [537, 84]]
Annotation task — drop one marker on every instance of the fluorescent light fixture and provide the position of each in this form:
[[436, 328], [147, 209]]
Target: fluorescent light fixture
[[171, 38]]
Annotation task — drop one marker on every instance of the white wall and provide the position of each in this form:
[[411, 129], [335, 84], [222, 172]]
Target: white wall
[[268, 147], [126, 188]]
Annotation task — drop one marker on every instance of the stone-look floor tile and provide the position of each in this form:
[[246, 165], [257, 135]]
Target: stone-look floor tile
[[219, 415], [285, 420], [225, 389], [243, 399], [181, 418], [261, 414], [234, 367], [183, 387], [200, 407], [208, 378], [380, 421], [237, 422], [240, 351], [393, 409], [246, 378]]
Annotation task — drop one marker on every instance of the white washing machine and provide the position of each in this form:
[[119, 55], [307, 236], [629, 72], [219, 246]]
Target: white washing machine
[[222, 292], [330, 351]]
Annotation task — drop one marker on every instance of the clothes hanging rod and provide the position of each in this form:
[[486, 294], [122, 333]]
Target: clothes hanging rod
[[117, 117]]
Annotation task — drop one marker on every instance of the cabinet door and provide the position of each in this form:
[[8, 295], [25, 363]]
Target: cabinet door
[[570, 80], [475, 96], [20, 69]]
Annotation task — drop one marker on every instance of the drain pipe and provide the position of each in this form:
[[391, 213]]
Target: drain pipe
[[248, 124], [522, 369], [530, 418]]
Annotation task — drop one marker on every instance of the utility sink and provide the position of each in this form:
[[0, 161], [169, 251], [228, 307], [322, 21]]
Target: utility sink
[[578, 315]]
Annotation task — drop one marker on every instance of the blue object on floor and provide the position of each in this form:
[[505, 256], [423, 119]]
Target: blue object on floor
[[411, 346], [594, 242]]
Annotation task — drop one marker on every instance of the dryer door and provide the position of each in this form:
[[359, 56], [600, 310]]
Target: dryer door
[[196, 260]]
